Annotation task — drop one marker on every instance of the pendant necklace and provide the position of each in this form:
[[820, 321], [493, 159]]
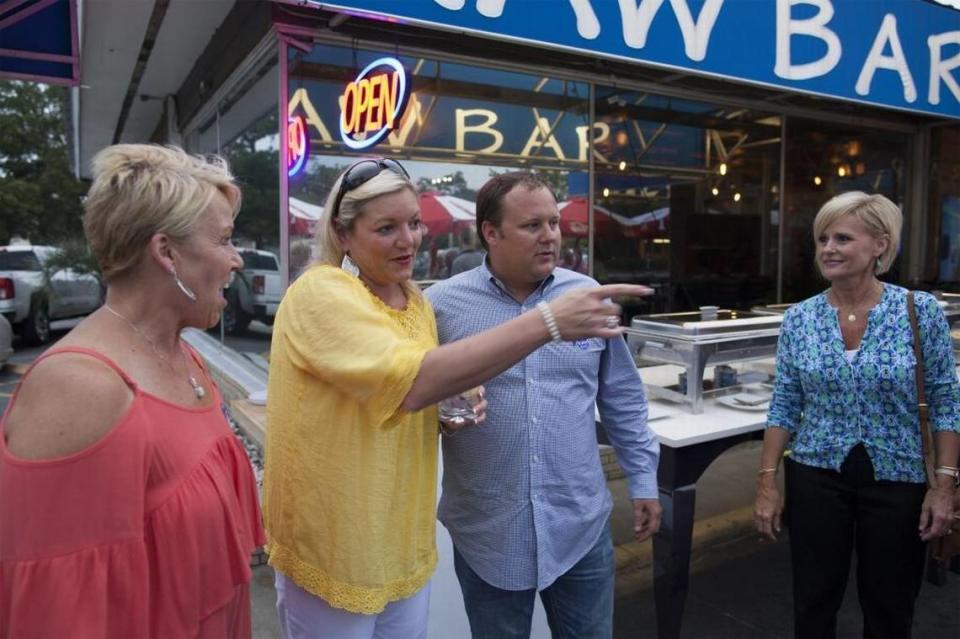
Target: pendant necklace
[[198, 390], [851, 316]]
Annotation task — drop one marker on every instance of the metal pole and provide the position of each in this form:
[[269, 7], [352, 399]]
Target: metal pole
[[284, 208], [782, 212], [590, 177]]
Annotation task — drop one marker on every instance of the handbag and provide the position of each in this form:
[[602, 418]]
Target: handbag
[[948, 546]]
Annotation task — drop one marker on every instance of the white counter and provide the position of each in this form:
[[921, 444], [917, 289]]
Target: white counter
[[675, 426]]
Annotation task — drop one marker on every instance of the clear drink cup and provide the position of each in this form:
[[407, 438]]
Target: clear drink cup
[[460, 408]]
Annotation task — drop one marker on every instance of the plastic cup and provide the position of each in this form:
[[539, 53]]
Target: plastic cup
[[459, 409]]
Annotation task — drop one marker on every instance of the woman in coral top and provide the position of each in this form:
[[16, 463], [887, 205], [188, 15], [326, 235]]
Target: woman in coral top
[[129, 508], [351, 463]]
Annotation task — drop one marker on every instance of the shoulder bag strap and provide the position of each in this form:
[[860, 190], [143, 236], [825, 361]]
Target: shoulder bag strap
[[926, 439]]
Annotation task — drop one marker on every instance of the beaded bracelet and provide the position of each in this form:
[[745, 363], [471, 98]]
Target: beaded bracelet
[[550, 321]]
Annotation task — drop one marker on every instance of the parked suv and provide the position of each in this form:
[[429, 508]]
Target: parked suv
[[254, 293], [31, 295]]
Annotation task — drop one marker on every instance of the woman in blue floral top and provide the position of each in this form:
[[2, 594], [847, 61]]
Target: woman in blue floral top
[[845, 400]]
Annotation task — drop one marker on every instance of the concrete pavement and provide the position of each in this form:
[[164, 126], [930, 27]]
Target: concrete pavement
[[739, 586]]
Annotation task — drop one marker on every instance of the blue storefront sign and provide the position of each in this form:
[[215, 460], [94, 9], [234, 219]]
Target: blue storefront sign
[[901, 54]]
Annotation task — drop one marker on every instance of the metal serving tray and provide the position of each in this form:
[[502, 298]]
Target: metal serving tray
[[949, 303], [691, 341], [771, 309]]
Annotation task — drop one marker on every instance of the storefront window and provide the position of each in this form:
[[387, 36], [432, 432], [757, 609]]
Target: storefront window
[[686, 199], [244, 130], [461, 124], [825, 160], [943, 256]]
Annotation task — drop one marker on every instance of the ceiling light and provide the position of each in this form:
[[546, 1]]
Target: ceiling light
[[736, 197], [723, 168], [817, 180], [606, 192], [715, 191], [841, 171], [623, 165]]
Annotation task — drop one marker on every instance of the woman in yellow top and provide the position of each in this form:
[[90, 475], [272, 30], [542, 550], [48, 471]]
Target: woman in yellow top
[[351, 459]]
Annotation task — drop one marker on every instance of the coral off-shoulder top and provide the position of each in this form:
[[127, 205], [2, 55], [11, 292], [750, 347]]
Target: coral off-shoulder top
[[146, 533]]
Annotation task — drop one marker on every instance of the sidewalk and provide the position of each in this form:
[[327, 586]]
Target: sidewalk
[[739, 586]]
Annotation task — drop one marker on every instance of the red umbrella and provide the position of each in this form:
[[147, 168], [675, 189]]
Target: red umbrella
[[574, 221], [444, 214], [303, 217]]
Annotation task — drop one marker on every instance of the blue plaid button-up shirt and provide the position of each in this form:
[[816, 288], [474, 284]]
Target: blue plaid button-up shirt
[[524, 495]]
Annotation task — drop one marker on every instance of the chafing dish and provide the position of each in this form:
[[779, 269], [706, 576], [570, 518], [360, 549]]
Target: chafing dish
[[771, 309], [949, 302], [695, 340]]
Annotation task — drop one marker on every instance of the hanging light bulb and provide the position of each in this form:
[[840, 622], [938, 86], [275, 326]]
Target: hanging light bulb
[[715, 191], [623, 165], [606, 192], [817, 180], [723, 168], [841, 171], [736, 197]]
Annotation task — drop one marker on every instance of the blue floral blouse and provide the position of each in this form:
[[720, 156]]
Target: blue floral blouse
[[830, 405]]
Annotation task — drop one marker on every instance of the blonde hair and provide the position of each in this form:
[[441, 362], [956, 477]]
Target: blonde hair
[[881, 217], [139, 190], [329, 250]]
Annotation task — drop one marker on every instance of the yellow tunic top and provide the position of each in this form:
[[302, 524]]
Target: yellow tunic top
[[350, 477]]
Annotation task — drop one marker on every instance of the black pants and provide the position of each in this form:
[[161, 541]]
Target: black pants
[[829, 514]]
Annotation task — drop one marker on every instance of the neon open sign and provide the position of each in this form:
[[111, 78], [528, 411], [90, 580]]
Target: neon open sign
[[371, 106], [297, 143]]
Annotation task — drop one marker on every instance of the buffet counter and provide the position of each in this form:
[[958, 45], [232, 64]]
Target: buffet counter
[[689, 443]]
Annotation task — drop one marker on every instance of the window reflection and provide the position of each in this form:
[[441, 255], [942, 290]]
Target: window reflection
[[462, 125], [825, 160], [686, 199], [943, 260], [244, 130]]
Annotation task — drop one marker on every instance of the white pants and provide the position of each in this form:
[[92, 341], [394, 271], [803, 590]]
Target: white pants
[[306, 616]]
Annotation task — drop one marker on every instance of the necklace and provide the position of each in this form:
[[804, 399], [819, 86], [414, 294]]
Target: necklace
[[852, 316], [198, 390]]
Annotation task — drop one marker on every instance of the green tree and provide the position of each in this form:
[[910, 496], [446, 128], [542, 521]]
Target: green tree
[[40, 199], [254, 161], [451, 184], [558, 181]]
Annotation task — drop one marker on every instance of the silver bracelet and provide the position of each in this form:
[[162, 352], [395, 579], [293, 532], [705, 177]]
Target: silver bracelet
[[949, 471], [550, 321]]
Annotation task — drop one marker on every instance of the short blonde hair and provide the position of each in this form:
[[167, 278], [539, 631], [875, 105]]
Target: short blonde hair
[[329, 250], [881, 216], [139, 190]]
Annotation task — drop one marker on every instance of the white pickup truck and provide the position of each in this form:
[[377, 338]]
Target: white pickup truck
[[31, 295], [254, 293]]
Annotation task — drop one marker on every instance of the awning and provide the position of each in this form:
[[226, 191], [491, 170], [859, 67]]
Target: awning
[[38, 41]]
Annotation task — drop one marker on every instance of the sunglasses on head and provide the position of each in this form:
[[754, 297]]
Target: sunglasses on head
[[364, 171]]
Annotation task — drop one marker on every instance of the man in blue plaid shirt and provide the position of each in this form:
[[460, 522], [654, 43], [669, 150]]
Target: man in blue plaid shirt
[[524, 494]]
